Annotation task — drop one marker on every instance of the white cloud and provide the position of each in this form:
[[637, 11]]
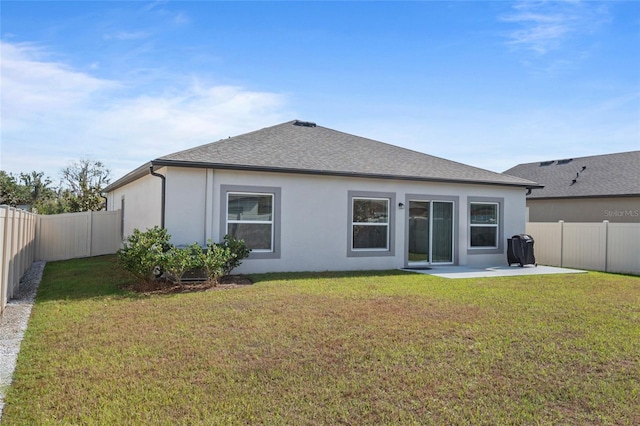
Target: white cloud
[[543, 26], [181, 19], [32, 85], [126, 35], [52, 114]]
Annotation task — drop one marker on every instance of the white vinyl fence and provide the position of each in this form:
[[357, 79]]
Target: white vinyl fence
[[601, 246], [25, 237], [17, 241], [74, 235]]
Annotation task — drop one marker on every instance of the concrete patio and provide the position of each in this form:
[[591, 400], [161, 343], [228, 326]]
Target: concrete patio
[[454, 272]]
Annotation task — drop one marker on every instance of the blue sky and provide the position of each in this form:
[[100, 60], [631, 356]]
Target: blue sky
[[490, 84]]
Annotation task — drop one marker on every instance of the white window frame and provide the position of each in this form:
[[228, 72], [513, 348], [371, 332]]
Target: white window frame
[[256, 222], [276, 191], [390, 198], [496, 225], [385, 224]]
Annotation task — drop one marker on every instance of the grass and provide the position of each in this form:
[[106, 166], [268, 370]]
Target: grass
[[331, 348]]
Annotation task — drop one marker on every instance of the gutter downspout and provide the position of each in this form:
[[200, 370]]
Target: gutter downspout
[[164, 192]]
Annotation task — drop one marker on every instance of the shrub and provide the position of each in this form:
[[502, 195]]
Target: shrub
[[143, 253], [176, 261], [237, 252], [221, 258], [149, 255], [214, 259]]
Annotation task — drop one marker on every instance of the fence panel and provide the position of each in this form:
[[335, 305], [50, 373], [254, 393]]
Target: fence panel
[[105, 233], [74, 235], [609, 247], [17, 237], [63, 236], [547, 242], [6, 237], [584, 246], [623, 253]]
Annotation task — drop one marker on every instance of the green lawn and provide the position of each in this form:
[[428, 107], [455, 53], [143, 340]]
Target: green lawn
[[331, 348]]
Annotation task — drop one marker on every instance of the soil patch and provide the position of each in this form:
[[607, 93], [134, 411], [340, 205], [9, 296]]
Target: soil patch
[[167, 287]]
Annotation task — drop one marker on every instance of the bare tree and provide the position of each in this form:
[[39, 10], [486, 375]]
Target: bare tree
[[85, 180]]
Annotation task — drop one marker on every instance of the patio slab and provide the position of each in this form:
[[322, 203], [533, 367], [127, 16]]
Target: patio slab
[[455, 272]]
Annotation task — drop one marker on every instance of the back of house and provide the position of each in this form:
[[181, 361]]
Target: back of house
[[309, 198]]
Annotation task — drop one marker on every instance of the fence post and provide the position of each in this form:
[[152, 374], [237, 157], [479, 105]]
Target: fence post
[[561, 222], [21, 242], [606, 245], [90, 232], [38, 238], [12, 251]]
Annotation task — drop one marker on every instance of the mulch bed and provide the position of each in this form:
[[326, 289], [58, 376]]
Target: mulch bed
[[167, 287]]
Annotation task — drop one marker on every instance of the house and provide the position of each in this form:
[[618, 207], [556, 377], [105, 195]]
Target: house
[[308, 198], [584, 189]]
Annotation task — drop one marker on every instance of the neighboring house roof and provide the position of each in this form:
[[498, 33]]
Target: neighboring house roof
[[304, 147], [609, 175]]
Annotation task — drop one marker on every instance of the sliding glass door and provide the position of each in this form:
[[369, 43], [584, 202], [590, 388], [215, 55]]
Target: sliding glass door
[[430, 232]]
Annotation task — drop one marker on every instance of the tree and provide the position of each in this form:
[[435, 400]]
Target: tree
[[10, 191], [36, 188], [56, 205], [86, 180], [32, 189]]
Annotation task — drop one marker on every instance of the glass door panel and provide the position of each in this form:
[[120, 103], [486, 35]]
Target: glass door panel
[[442, 238], [430, 232], [419, 231]]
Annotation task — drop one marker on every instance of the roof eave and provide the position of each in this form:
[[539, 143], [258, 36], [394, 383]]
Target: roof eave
[[568, 197], [224, 166], [130, 177]]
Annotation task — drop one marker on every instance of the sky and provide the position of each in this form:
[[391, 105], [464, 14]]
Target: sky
[[487, 83]]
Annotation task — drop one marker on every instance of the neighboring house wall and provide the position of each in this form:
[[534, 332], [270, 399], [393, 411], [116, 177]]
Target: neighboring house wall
[[311, 221], [142, 203], [614, 209]]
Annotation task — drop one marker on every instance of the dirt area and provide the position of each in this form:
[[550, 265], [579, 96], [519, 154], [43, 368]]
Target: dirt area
[[167, 287]]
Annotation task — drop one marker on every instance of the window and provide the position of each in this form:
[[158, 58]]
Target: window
[[250, 218], [370, 224], [253, 215], [371, 219], [484, 225]]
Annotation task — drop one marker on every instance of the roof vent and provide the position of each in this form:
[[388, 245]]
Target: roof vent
[[304, 123], [546, 163], [567, 161]]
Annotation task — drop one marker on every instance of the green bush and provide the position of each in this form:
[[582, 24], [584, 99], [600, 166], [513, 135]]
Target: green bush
[[214, 259], [177, 261], [237, 252], [149, 255], [143, 253]]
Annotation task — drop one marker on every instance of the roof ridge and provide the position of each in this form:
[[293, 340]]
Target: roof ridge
[[580, 158]]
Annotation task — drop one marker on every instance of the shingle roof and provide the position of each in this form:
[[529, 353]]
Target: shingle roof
[[596, 176], [302, 147]]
